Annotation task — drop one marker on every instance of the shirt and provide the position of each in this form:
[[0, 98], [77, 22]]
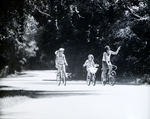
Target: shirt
[[106, 57], [89, 64], [60, 59]]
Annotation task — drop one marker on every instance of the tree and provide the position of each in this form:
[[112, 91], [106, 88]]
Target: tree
[[81, 27], [17, 37]]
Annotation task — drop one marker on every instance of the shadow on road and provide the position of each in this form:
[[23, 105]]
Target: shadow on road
[[42, 94]]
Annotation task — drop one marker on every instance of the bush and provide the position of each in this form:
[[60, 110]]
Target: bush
[[4, 71]]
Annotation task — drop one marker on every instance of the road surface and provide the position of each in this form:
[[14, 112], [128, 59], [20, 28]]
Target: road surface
[[35, 95]]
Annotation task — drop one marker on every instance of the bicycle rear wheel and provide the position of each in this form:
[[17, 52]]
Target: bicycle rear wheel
[[64, 80], [112, 78], [58, 79]]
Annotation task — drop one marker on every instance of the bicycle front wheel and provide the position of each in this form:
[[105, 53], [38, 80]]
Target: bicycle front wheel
[[112, 78], [88, 80], [64, 79], [58, 79], [94, 79]]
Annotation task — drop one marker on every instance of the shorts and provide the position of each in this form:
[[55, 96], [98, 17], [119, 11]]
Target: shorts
[[104, 66], [61, 67]]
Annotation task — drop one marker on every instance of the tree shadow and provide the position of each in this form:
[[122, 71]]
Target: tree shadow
[[43, 94]]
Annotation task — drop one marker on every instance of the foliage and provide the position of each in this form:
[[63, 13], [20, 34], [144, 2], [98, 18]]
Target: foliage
[[16, 35], [81, 27]]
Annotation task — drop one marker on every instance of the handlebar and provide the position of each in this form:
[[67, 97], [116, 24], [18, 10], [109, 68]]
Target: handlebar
[[96, 65]]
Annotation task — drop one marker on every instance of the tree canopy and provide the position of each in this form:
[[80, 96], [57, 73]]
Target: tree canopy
[[32, 30]]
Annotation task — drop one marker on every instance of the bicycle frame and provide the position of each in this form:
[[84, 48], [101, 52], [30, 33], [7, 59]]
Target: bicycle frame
[[90, 79], [61, 76], [111, 78], [92, 76]]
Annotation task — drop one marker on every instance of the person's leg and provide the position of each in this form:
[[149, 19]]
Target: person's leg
[[58, 69], [104, 70], [64, 70], [109, 70], [88, 73]]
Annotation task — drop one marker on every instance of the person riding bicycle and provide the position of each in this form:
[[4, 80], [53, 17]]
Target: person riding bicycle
[[60, 61], [89, 63], [106, 63]]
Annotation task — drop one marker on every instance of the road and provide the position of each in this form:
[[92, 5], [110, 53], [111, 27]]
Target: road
[[38, 97]]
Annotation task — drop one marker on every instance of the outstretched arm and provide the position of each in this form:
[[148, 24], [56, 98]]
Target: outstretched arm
[[116, 52]]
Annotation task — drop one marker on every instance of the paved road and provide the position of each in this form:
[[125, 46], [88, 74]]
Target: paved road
[[41, 98]]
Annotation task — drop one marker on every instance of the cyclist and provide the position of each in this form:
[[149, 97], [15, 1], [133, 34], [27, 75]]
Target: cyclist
[[89, 63], [60, 61], [106, 63]]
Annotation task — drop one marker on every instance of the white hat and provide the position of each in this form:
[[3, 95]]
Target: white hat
[[61, 49], [90, 55]]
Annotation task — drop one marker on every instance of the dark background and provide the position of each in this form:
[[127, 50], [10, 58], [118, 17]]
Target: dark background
[[32, 30]]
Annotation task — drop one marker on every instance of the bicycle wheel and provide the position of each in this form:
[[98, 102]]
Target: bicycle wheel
[[58, 79], [64, 79], [94, 79], [88, 80], [112, 78]]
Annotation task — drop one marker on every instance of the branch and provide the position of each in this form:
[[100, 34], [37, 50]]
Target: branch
[[39, 9], [137, 16], [42, 12]]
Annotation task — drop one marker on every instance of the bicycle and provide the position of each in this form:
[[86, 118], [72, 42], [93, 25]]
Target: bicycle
[[92, 77], [111, 78], [61, 77]]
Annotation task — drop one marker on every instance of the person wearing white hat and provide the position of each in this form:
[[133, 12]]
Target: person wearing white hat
[[60, 61]]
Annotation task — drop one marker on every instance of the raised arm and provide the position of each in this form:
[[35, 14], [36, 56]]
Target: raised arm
[[116, 52]]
